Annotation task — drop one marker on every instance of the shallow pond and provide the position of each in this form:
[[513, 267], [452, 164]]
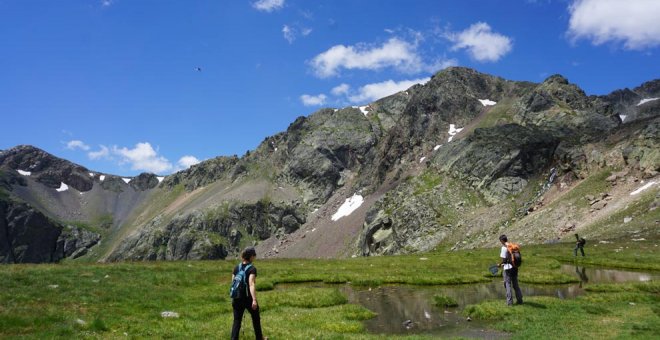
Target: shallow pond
[[410, 309]]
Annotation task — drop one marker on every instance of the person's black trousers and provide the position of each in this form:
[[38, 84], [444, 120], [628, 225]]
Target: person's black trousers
[[240, 305]]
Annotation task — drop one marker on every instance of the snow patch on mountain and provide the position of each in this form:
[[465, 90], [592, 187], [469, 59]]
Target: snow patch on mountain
[[646, 100], [487, 102], [453, 131], [349, 206], [24, 173]]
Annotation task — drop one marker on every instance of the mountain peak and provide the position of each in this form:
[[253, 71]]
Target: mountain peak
[[458, 71], [556, 79], [47, 168]]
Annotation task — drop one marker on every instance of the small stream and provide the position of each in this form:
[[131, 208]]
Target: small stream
[[410, 309]]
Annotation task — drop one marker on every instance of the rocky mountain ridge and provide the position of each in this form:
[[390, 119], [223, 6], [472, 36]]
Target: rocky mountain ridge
[[446, 164]]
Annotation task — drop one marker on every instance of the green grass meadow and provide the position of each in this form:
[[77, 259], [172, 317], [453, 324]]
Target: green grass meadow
[[77, 300]]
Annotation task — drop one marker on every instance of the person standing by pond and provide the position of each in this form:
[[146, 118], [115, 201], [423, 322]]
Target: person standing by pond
[[579, 244], [510, 273], [247, 296]]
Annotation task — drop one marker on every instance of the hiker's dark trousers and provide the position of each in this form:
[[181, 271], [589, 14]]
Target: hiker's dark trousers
[[576, 249], [511, 283], [240, 305]]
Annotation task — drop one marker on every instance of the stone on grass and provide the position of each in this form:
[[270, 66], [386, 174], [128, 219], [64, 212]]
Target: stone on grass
[[168, 314]]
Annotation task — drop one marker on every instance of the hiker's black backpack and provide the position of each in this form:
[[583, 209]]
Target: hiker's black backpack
[[582, 241], [239, 286]]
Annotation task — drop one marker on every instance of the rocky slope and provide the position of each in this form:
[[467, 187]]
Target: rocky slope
[[27, 236], [451, 163]]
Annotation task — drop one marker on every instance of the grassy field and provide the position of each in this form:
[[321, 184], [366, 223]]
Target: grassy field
[[76, 300]]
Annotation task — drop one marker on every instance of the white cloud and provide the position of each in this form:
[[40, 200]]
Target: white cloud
[[103, 152], [308, 100], [268, 5], [289, 34], [481, 42], [633, 22], [376, 91], [396, 53], [340, 89], [106, 3], [187, 161], [77, 144], [143, 157]]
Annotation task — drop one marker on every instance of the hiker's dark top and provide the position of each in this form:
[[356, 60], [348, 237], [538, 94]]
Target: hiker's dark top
[[250, 271]]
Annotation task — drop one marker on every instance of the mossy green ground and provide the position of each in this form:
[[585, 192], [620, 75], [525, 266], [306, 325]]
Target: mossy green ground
[[77, 300]]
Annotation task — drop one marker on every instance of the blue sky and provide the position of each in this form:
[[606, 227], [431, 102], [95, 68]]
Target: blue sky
[[114, 85]]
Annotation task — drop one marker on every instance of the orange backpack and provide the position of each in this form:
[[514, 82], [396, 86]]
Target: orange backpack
[[514, 257]]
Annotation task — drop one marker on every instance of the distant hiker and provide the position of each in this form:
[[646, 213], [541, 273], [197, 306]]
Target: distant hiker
[[579, 244], [243, 293], [508, 255]]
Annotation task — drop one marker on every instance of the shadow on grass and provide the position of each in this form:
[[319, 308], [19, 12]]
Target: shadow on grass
[[536, 305]]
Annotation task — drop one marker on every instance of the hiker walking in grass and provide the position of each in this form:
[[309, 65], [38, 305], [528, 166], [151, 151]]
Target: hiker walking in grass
[[510, 260], [579, 244], [243, 293]]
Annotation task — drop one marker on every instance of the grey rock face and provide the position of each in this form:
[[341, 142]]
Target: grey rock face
[[564, 109], [321, 146], [498, 161], [626, 102], [208, 235], [113, 183], [450, 97], [75, 242], [27, 236], [643, 152], [144, 181], [201, 174], [9, 177]]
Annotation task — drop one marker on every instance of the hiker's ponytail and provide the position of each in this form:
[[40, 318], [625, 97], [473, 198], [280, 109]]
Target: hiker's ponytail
[[248, 253]]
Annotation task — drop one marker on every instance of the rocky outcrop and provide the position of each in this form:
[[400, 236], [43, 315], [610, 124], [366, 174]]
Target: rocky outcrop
[[113, 183], [323, 145], [450, 97], [634, 145], [630, 105], [498, 161], [212, 234], [75, 242], [201, 174], [565, 110], [46, 168], [144, 181], [643, 152], [27, 236]]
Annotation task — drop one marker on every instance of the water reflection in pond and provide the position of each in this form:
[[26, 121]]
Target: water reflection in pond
[[410, 309]]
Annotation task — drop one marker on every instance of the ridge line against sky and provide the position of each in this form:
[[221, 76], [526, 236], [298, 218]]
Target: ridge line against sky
[[125, 87]]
